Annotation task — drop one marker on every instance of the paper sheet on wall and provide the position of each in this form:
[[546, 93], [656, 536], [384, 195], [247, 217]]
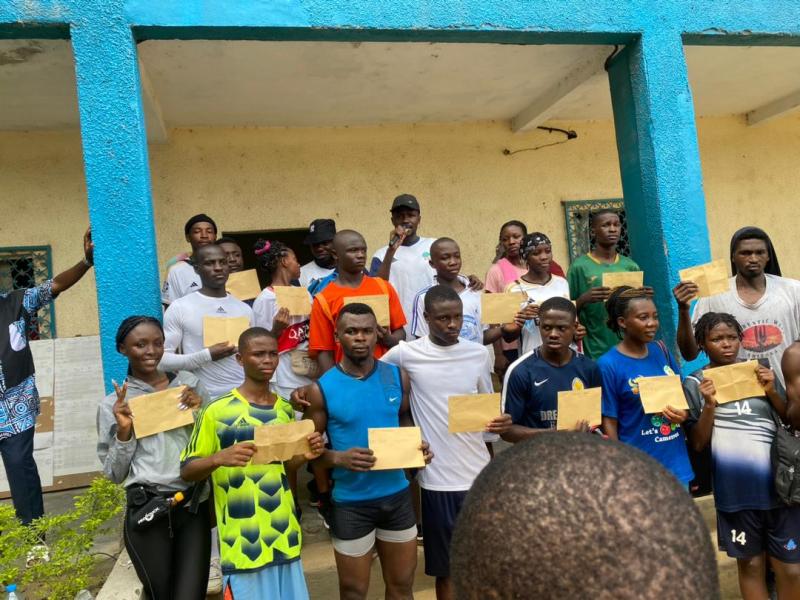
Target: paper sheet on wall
[[378, 303], [471, 412], [634, 279], [282, 442], [396, 447], [497, 309], [44, 363], [296, 299], [157, 412], [223, 329], [44, 464], [243, 285], [711, 278], [578, 405], [658, 392], [735, 382]]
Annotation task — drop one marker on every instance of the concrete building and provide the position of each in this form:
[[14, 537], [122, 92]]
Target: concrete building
[[269, 114]]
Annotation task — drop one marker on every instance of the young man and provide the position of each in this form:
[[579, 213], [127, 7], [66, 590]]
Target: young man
[[405, 262], [585, 277], [320, 240], [370, 508], [19, 399], [766, 305], [259, 533], [233, 253], [350, 252], [530, 393], [441, 365], [446, 261], [181, 277], [215, 366]]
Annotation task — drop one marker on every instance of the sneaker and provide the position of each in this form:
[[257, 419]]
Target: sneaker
[[419, 534], [214, 578], [38, 554]]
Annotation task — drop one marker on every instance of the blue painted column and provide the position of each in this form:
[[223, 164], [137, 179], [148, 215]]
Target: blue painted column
[[659, 164], [117, 174]]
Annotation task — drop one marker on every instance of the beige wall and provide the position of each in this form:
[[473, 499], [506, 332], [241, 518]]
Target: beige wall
[[250, 179]]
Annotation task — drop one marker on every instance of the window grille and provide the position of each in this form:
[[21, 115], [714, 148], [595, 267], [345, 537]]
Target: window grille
[[25, 267]]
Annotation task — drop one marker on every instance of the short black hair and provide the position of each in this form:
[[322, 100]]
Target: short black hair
[[440, 293], [514, 223], [226, 240], [355, 308], [250, 334], [131, 323], [442, 240], [560, 304], [599, 213], [754, 233], [618, 303], [710, 320], [570, 515]]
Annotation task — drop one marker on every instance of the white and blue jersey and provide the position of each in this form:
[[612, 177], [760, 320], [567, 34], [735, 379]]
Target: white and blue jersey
[[471, 328]]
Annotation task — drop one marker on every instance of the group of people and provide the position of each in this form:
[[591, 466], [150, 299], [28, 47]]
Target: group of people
[[348, 371]]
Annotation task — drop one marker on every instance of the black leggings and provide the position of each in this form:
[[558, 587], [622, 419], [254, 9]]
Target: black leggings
[[172, 568]]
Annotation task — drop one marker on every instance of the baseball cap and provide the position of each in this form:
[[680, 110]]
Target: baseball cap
[[320, 230], [404, 201]]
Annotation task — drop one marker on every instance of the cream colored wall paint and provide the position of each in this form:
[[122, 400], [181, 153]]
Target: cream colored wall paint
[[250, 179]]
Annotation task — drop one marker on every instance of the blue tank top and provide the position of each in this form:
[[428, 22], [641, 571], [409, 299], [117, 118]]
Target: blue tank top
[[355, 405]]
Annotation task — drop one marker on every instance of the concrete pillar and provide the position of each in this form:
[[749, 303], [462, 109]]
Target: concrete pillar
[[660, 164], [117, 175]]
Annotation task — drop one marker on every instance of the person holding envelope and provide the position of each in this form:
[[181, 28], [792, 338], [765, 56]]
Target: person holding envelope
[[632, 315], [585, 276], [530, 392], [259, 529], [752, 523], [371, 508], [170, 555], [439, 366]]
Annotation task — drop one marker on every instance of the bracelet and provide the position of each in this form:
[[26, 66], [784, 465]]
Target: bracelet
[[86, 262]]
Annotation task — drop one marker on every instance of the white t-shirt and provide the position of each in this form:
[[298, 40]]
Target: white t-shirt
[[436, 373], [312, 271], [471, 329], [557, 286], [770, 325], [183, 331], [410, 272], [181, 279], [293, 338]]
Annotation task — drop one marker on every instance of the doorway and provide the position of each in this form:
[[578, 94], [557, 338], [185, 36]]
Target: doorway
[[291, 237]]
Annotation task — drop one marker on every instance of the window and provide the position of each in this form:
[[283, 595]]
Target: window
[[291, 237], [25, 267], [576, 214]]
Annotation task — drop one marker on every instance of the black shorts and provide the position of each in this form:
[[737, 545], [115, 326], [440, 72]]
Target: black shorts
[[749, 533], [439, 513]]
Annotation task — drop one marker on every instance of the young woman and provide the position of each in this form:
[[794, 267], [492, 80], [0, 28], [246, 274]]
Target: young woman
[[170, 554], [632, 315], [752, 524]]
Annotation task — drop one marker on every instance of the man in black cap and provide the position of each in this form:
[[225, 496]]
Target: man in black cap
[[182, 279], [320, 239], [405, 262]]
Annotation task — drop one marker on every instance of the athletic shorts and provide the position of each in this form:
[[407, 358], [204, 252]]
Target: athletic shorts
[[285, 580], [749, 533], [439, 513], [356, 525]]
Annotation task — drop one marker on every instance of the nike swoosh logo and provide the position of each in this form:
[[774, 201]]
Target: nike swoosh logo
[[538, 383], [394, 399]]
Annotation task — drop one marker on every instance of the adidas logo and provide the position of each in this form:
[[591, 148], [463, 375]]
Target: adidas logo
[[221, 310], [194, 284]]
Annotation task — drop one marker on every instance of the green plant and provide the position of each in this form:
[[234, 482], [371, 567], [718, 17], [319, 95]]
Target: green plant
[[69, 536]]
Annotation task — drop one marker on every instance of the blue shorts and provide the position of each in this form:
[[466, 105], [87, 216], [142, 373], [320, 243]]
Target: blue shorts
[[749, 533], [281, 582], [439, 513]]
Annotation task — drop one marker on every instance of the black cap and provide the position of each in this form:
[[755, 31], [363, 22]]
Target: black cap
[[320, 230], [404, 201], [201, 218]]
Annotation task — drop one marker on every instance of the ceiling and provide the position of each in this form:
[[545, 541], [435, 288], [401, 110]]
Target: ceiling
[[195, 83]]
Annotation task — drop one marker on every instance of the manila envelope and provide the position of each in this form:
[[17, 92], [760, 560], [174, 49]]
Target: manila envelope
[[223, 329], [471, 412], [657, 392], [157, 412], [296, 299], [282, 442], [612, 280], [501, 308], [735, 382], [711, 278], [243, 285], [379, 305], [396, 447], [579, 405]]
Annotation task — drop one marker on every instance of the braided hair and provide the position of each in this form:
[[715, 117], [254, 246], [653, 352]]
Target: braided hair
[[132, 323], [618, 303], [710, 320], [269, 254]]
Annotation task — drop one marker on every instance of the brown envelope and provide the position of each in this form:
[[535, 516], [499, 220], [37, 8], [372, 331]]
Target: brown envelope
[[296, 299], [711, 278], [379, 305], [612, 280], [657, 392], [157, 412], [282, 442], [471, 412], [396, 447], [501, 308], [735, 382], [579, 405], [223, 329], [243, 285]]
